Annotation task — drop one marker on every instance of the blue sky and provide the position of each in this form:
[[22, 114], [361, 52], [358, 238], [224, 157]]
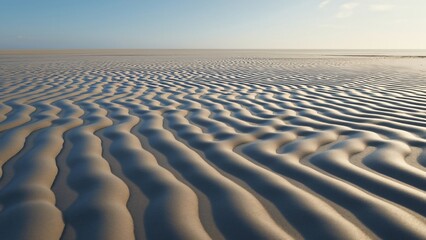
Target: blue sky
[[259, 24]]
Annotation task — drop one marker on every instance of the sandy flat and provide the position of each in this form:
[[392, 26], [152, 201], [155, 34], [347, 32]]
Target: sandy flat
[[237, 145]]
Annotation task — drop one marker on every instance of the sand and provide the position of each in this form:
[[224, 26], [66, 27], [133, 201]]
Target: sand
[[237, 145]]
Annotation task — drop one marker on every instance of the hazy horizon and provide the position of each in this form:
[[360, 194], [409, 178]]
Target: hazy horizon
[[190, 24]]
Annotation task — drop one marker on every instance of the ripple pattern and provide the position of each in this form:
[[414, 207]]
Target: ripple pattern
[[209, 147]]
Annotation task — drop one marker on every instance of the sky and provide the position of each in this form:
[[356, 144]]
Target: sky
[[213, 24]]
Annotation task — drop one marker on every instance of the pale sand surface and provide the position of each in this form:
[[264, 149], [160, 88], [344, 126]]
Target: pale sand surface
[[199, 145]]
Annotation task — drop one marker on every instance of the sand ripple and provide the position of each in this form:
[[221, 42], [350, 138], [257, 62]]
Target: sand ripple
[[197, 147]]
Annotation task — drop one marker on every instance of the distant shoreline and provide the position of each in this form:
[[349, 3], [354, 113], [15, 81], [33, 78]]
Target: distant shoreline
[[405, 53]]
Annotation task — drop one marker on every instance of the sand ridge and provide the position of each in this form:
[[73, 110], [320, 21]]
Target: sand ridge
[[198, 147]]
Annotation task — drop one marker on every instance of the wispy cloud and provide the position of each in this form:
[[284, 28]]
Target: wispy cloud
[[381, 7], [324, 3], [330, 26], [347, 9]]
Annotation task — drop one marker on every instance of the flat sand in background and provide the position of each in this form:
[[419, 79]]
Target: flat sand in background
[[235, 145]]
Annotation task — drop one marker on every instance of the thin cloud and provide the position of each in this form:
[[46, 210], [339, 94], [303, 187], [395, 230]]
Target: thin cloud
[[330, 26], [349, 6], [381, 7], [347, 9], [324, 3]]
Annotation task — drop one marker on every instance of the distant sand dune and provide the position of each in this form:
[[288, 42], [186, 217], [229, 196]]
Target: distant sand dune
[[199, 147]]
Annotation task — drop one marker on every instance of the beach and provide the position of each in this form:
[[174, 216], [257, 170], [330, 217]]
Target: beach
[[212, 145]]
